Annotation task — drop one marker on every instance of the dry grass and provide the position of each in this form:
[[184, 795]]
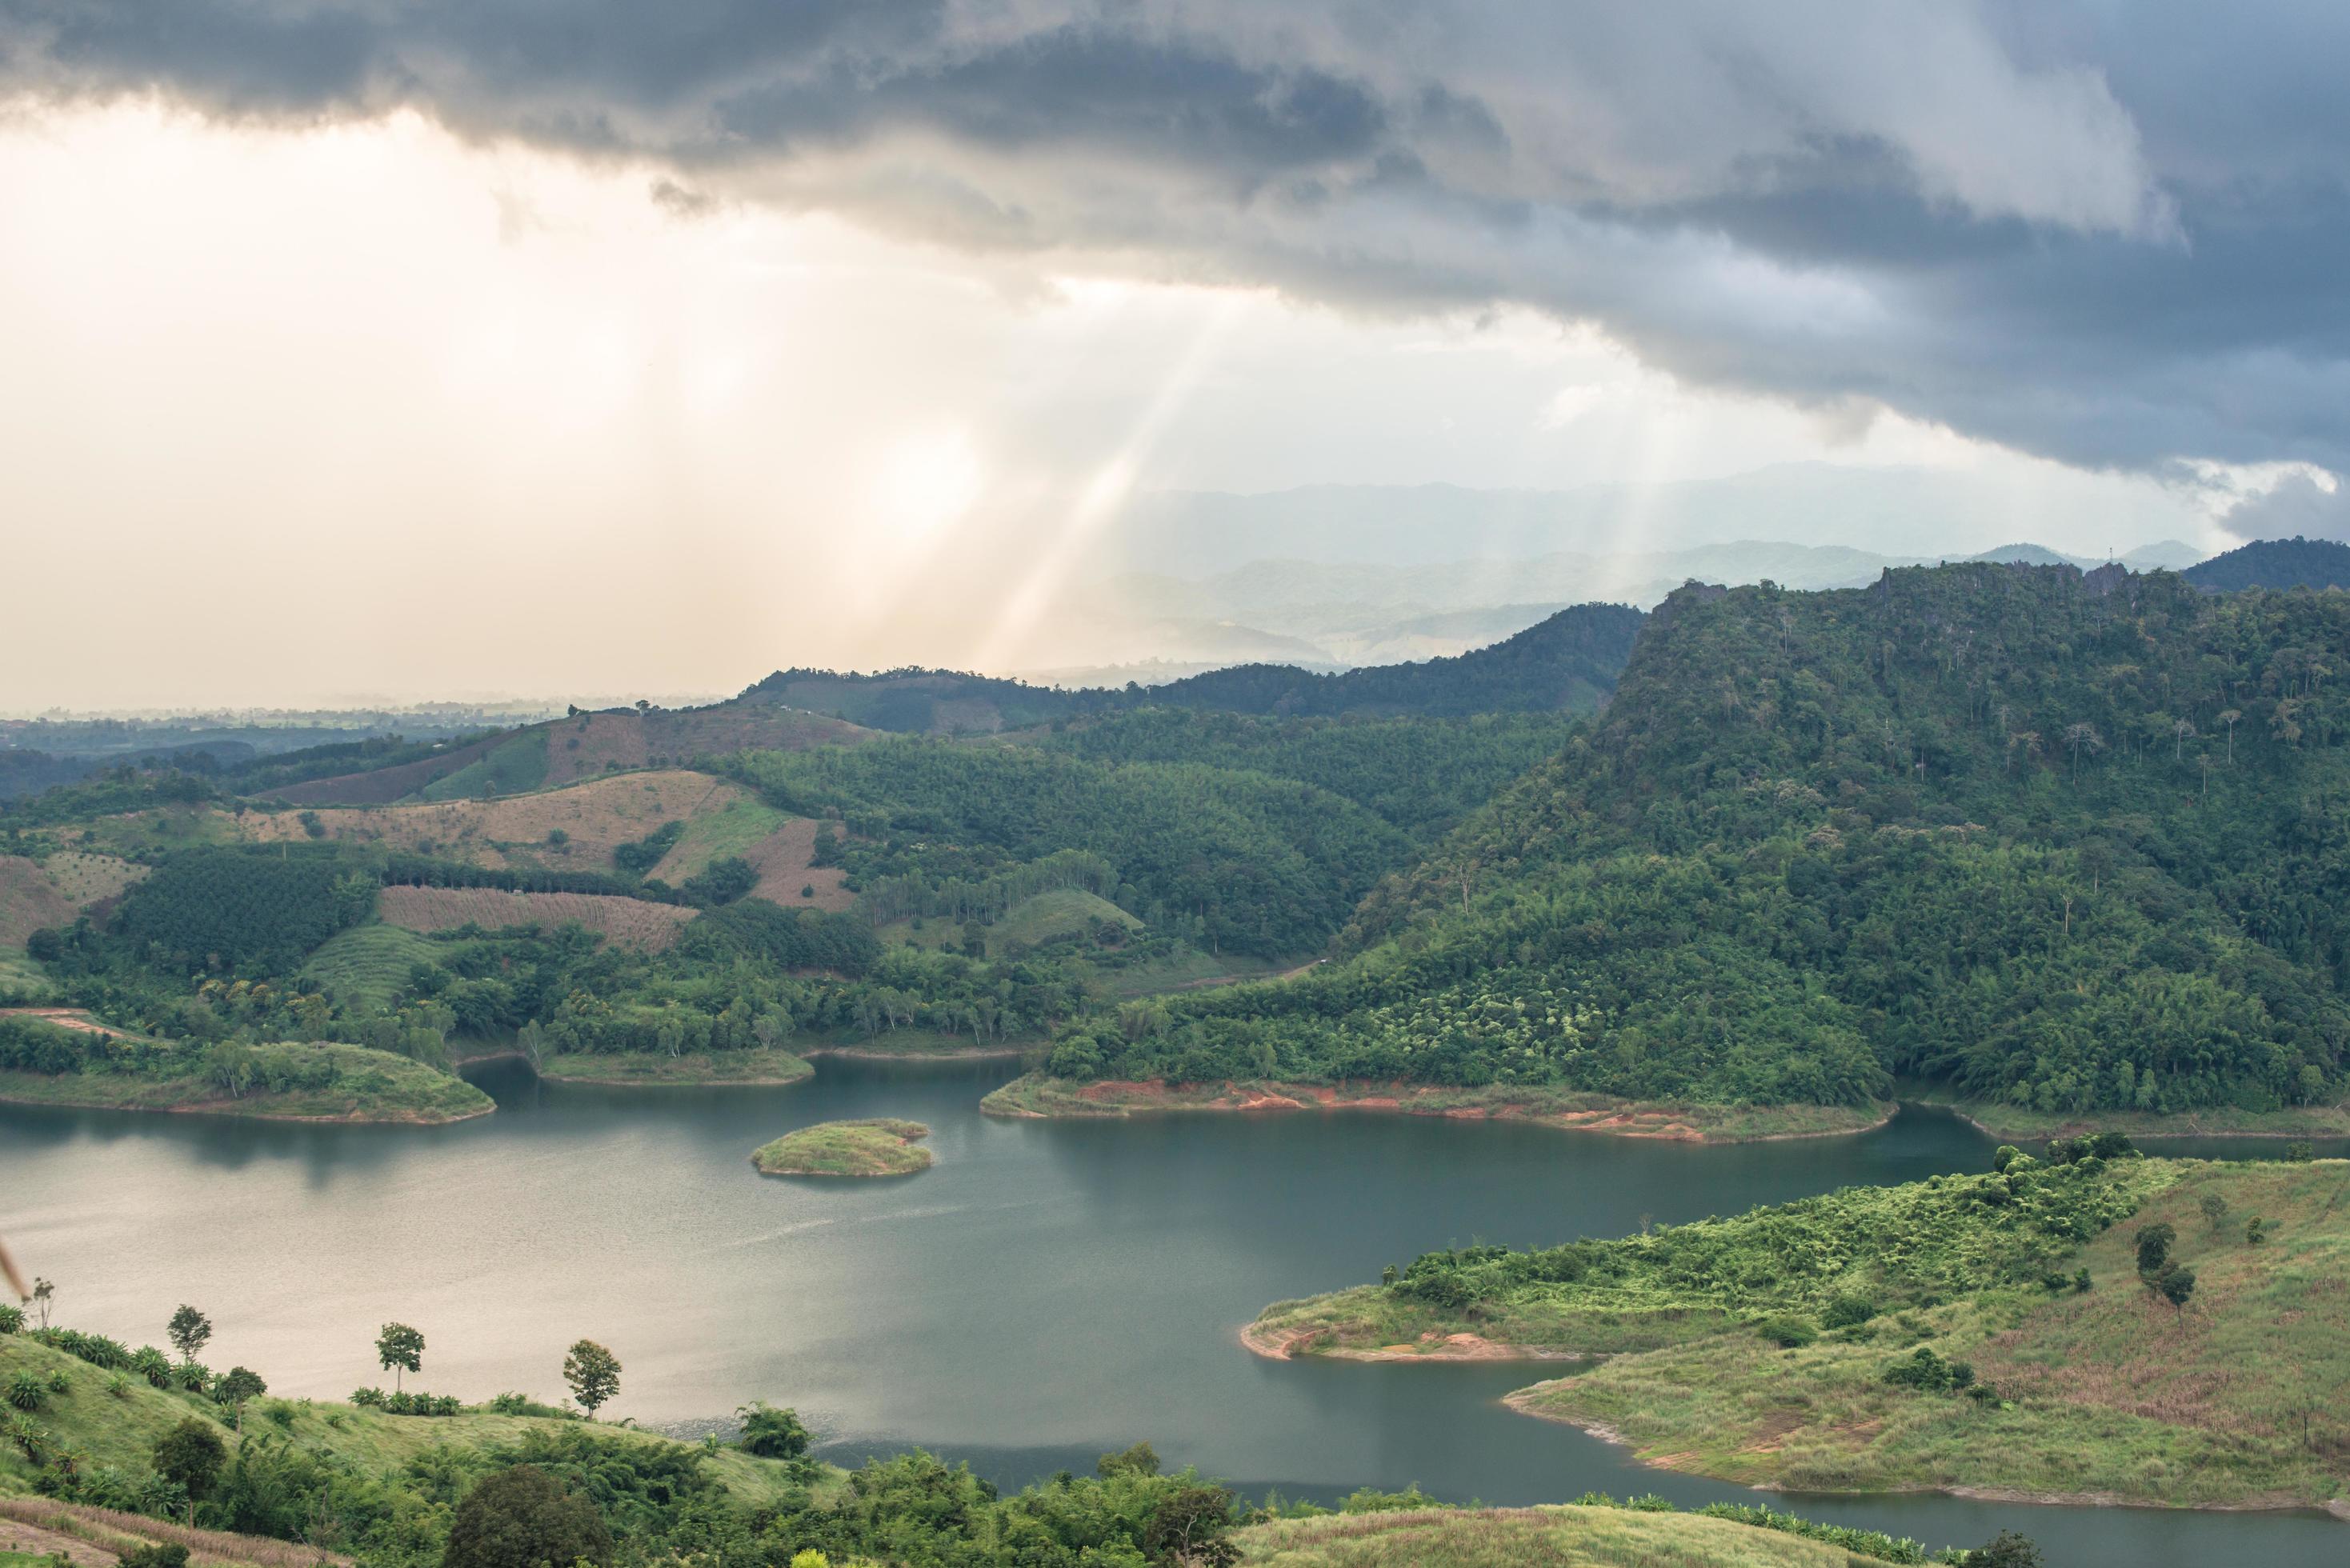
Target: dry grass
[[596, 817], [1569, 1537], [114, 1534], [635, 923], [87, 879], [28, 900]]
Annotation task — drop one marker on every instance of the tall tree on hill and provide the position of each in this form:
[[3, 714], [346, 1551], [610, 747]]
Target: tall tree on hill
[[189, 1331], [399, 1348], [594, 1374]]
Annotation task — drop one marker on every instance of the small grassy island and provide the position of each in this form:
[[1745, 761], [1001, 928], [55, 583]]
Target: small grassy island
[[2096, 1327], [881, 1146], [42, 1063]]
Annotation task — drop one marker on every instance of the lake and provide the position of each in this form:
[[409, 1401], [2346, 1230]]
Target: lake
[[1048, 1291]]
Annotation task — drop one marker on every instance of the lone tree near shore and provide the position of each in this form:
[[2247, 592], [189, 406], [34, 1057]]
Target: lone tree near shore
[[399, 1348], [594, 1374], [189, 1331]]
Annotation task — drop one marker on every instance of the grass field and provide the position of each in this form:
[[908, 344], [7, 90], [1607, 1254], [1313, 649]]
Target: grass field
[[1037, 1095], [2012, 1124], [763, 1067], [368, 1086], [874, 1147], [369, 964], [1561, 1537], [637, 923], [509, 768], [1062, 913], [21, 977], [737, 827], [1190, 969]]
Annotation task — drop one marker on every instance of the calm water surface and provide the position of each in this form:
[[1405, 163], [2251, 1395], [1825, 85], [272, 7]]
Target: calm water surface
[[1049, 1291]]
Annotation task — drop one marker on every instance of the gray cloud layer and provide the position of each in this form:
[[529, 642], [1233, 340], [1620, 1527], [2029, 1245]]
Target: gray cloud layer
[[2116, 236]]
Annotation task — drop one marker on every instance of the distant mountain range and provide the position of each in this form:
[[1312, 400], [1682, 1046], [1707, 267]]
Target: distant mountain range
[[1329, 615]]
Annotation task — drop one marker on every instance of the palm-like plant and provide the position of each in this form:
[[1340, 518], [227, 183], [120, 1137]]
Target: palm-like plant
[[25, 1391]]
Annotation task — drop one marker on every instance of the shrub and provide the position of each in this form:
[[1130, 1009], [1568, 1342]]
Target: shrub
[[1928, 1373], [156, 1554], [1846, 1311], [1786, 1330], [153, 1365], [12, 1319], [26, 1392]]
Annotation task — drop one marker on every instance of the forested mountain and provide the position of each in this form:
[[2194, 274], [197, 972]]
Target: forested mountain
[[2074, 841], [2294, 562], [1566, 664]]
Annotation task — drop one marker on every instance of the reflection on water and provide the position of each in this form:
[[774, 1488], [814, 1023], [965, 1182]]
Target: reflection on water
[[1047, 1291]]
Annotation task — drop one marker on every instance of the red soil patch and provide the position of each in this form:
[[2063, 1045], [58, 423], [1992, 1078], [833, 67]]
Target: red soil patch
[[625, 922]]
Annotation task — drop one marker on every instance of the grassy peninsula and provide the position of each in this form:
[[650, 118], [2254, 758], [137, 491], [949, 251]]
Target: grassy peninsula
[[876, 1146], [689, 1070], [1990, 1334], [43, 1064], [1041, 1095]]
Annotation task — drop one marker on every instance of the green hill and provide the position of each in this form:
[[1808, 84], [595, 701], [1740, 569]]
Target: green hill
[[2276, 564], [2070, 842]]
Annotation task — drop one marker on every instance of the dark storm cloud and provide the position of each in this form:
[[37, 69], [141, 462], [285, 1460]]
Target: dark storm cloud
[[2116, 235]]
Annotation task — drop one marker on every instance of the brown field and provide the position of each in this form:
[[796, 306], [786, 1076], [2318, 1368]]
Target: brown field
[[625, 922], [596, 743], [28, 900], [782, 858], [99, 1537], [598, 815], [385, 785]]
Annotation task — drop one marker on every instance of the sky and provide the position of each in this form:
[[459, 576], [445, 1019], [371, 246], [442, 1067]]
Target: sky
[[441, 348]]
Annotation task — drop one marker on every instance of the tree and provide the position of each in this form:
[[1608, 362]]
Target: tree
[[1189, 1527], [399, 1348], [770, 1433], [189, 1455], [2229, 716], [594, 1374], [2256, 1231], [2215, 1211], [44, 1292], [2153, 1242], [189, 1331], [1141, 1460], [240, 1385], [2006, 1549], [521, 1518], [2174, 1284]]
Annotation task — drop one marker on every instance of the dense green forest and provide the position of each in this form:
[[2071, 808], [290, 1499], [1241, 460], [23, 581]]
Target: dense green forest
[[1236, 859], [2076, 843]]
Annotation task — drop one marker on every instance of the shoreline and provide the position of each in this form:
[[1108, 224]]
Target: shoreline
[[1038, 1098], [1281, 1345], [228, 1108], [2131, 1125]]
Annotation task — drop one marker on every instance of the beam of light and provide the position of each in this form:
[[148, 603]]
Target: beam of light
[[1106, 493]]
